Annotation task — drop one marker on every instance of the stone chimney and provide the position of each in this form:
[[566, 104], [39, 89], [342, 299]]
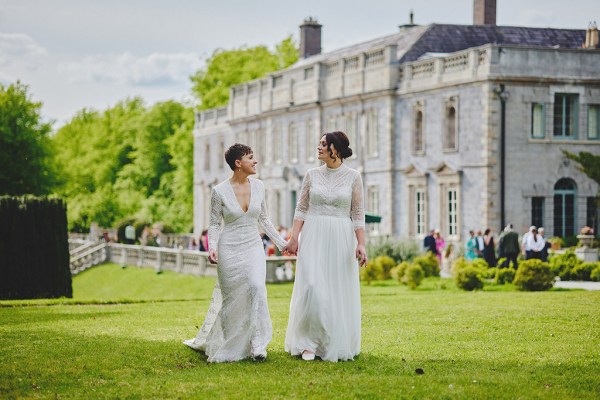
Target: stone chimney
[[484, 12], [591, 37], [310, 38]]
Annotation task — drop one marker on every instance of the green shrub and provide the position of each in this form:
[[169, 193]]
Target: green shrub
[[570, 241], [534, 275], [562, 265], [429, 263], [504, 275], [399, 270], [413, 276], [469, 278], [371, 272], [488, 273], [583, 271], [595, 275], [387, 264], [459, 264]]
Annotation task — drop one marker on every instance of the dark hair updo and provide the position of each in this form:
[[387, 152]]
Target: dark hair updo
[[340, 141], [236, 152]]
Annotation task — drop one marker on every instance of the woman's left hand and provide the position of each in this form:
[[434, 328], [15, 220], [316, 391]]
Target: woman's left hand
[[361, 255]]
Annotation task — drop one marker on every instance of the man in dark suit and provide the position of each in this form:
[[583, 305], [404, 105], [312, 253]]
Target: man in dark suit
[[429, 243], [510, 247]]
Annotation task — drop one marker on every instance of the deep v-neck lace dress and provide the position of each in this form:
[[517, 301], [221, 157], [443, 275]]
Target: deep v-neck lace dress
[[325, 304], [237, 324]]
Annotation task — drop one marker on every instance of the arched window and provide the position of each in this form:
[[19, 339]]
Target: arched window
[[564, 207], [450, 139], [418, 133]]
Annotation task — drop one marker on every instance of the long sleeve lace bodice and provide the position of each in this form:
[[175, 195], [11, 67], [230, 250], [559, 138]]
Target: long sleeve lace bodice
[[332, 192], [224, 207]]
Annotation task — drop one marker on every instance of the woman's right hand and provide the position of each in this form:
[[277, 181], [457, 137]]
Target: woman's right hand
[[212, 256], [291, 247]]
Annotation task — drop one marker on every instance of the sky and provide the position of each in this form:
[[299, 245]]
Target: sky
[[76, 54]]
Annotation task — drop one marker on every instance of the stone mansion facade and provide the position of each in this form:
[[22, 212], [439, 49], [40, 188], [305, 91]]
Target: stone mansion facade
[[454, 127]]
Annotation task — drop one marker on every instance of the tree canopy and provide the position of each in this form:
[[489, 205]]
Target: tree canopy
[[129, 161], [589, 164], [26, 165], [227, 68]]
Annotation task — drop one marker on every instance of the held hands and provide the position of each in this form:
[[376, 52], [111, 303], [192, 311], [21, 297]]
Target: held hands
[[291, 247], [361, 255], [212, 256]]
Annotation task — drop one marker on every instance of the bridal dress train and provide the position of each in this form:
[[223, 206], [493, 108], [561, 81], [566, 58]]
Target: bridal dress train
[[237, 324], [325, 306]]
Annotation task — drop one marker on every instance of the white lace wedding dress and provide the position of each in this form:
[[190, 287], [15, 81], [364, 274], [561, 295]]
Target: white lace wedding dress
[[325, 306], [237, 324]]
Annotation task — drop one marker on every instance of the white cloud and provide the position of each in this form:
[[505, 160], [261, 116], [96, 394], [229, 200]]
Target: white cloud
[[20, 50], [125, 68]]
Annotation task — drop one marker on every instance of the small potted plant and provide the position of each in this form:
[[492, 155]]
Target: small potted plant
[[556, 243]]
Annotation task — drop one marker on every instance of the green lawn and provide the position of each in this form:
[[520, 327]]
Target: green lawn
[[120, 337]]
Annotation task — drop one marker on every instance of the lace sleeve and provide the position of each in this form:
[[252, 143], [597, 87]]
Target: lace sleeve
[[216, 215], [357, 208], [302, 206], [268, 228]]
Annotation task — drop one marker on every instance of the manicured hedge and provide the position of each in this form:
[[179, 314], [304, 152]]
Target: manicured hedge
[[34, 248]]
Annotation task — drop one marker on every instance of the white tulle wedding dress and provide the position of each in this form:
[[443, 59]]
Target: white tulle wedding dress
[[325, 306], [237, 324]]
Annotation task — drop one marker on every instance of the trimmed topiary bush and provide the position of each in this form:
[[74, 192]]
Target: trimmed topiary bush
[[583, 271], [413, 276], [562, 265], [534, 275], [398, 272], [429, 264], [469, 278], [371, 272], [504, 275], [387, 264], [595, 275]]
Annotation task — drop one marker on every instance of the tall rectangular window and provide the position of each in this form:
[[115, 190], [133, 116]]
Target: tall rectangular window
[[311, 141], [262, 144], [566, 110], [537, 121], [372, 134], [331, 124], [351, 132], [450, 128], [592, 213], [276, 144], [593, 122], [293, 143], [373, 199], [420, 212], [207, 157], [452, 212], [537, 211], [221, 152]]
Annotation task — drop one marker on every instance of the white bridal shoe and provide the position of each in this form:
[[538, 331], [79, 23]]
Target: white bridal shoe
[[308, 356]]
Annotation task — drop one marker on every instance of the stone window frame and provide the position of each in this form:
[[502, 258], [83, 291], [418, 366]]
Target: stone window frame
[[449, 103], [418, 109], [372, 134], [350, 125], [590, 128], [292, 143], [575, 110], [449, 180], [207, 154], [416, 181], [311, 140], [373, 203], [221, 163], [276, 143], [532, 130]]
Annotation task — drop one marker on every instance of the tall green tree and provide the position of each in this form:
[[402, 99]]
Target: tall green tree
[[227, 68], [26, 163], [589, 164]]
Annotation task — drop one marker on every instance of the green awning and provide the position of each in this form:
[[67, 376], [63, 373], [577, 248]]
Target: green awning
[[372, 218]]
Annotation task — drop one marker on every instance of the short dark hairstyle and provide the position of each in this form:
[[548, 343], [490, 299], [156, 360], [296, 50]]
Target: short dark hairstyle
[[236, 152], [340, 141]]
